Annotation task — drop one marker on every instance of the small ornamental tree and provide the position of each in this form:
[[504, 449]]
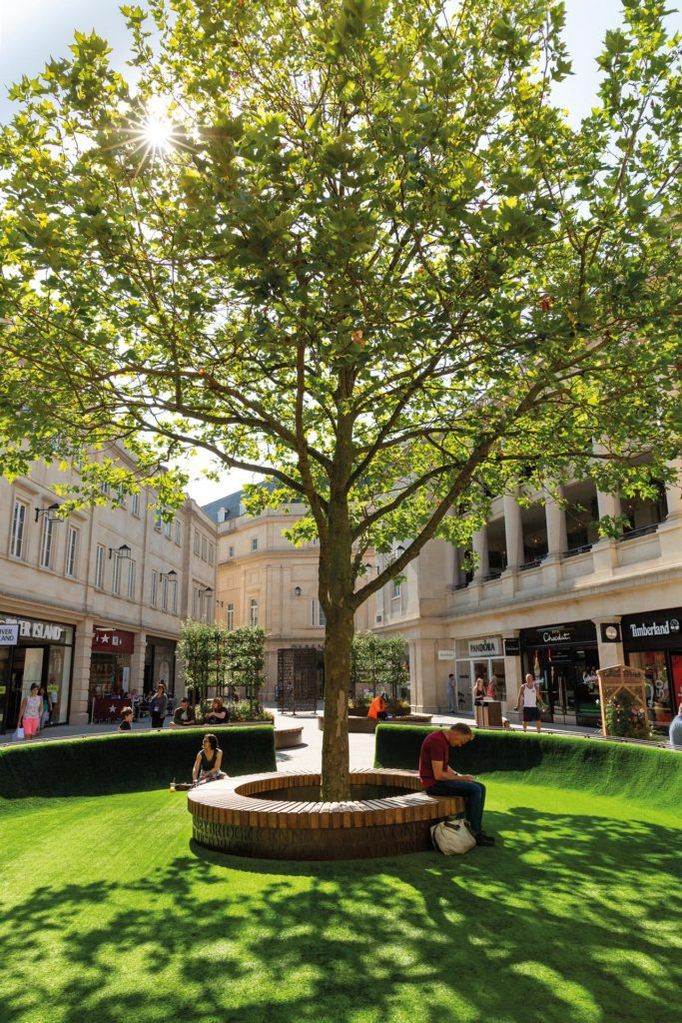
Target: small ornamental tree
[[202, 648], [245, 661], [380, 664], [355, 246]]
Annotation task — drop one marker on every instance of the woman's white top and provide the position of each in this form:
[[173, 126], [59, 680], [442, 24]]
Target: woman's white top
[[33, 707], [530, 696]]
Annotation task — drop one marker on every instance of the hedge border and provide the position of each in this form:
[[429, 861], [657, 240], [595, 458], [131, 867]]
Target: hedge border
[[647, 775], [126, 762]]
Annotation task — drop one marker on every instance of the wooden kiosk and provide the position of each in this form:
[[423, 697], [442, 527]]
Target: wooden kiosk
[[618, 679]]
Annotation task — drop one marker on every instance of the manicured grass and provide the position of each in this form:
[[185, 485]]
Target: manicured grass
[[107, 914]]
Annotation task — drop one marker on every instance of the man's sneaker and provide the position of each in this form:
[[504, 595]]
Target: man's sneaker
[[483, 839]]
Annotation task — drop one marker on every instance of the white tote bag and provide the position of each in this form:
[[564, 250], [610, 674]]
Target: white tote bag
[[19, 734], [453, 836]]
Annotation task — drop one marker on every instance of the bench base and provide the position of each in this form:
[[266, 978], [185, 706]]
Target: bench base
[[244, 817]]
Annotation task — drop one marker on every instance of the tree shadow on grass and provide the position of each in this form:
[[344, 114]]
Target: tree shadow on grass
[[575, 918]]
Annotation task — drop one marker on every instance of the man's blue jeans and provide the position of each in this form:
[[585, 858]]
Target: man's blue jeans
[[474, 798]]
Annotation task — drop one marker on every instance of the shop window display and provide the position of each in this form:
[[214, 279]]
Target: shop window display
[[654, 664]]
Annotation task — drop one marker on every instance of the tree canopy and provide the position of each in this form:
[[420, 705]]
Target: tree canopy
[[353, 245]]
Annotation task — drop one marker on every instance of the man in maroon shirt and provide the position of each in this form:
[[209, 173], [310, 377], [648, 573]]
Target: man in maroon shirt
[[439, 779]]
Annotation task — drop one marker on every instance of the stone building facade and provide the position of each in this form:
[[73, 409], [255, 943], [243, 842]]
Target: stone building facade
[[91, 605], [262, 579], [545, 594]]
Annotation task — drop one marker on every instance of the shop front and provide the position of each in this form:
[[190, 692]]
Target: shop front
[[653, 642], [564, 658], [159, 664], [110, 666], [483, 658], [33, 650]]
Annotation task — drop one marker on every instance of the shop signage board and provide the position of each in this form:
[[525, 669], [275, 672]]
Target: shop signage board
[[512, 647], [487, 646], [446, 655], [112, 641], [555, 635], [9, 635], [653, 631], [34, 629], [610, 632]]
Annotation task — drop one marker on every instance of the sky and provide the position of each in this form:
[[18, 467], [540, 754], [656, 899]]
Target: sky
[[33, 31]]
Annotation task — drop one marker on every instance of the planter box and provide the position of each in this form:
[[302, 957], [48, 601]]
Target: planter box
[[368, 725]]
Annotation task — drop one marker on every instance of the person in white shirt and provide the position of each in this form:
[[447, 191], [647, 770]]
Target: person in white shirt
[[530, 700]]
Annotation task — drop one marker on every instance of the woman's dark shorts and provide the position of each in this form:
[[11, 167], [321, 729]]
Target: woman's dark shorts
[[531, 713]]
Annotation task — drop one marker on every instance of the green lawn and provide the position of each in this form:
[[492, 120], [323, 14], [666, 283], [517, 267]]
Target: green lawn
[[107, 914]]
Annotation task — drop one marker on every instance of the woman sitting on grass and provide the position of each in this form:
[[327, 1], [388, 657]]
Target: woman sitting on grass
[[209, 758]]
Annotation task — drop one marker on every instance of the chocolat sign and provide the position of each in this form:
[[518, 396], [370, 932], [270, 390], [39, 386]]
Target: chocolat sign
[[556, 635]]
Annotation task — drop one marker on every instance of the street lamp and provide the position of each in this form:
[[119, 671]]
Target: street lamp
[[49, 511], [120, 552]]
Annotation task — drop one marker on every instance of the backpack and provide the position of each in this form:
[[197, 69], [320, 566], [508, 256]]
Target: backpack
[[453, 836]]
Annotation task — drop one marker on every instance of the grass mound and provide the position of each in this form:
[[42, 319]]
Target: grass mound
[[643, 774], [126, 762], [108, 912]]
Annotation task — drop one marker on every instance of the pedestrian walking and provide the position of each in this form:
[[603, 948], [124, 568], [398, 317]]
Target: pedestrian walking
[[530, 702], [159, 706], [29, 713], [452, 694]]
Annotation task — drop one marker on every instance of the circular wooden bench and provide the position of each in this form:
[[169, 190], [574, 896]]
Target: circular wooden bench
[[259, 815]]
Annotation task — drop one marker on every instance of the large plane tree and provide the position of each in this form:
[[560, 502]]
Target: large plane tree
[[354, 246]]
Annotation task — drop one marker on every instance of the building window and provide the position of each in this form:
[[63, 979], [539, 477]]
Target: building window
[[46, 546], [99, 567], [136, 505], [253, 613], [230, 617], [396, 588], [204, 549], [175, 596], [164, 594], [131, 580], [197, 543], [178, 532], [211, 553], [155, 588], [104, 488], [254, 543], [195, 603], [317, 614], [116, 579], [168, 529], [158, 522], [230, 552], [72, 552], [17, 545]]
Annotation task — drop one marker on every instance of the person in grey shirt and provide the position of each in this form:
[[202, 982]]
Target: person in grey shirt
[[158, 708], [675, 732]]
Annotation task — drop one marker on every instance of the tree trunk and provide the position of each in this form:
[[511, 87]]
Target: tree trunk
[[337, 656]]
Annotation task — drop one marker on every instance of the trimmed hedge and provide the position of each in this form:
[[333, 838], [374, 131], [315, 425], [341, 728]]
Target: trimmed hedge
[[127, 762], [641, 773]]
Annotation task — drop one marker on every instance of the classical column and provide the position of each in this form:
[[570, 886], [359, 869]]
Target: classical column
[[610, 652], [480, 548], [80, 680], [555, 515], [673, 493], [137, 663], [513, 532], [670, 531], [605, 551]]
